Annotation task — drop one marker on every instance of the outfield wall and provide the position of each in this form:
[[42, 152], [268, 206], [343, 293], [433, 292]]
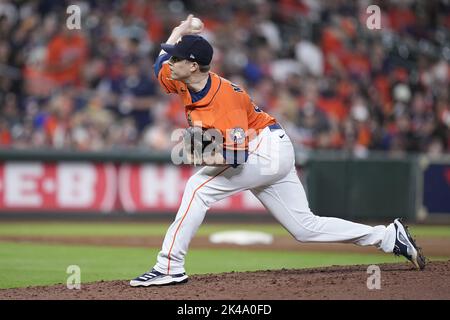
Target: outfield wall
[[338, 184]]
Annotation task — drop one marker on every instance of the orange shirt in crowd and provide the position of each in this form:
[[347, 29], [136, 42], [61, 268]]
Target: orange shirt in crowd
[[5, 137], [65, 58], [334, 107]]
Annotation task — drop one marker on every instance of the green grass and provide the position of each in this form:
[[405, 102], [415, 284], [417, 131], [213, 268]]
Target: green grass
[[27, 264], [159, 229]]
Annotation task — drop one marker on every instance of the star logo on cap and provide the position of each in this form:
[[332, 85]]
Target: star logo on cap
[[192, 56]]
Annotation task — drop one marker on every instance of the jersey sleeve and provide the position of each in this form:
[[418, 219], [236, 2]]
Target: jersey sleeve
[[159, 62], [164, 79]]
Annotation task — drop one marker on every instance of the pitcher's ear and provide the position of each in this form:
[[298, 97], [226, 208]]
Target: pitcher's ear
[[194, 66]]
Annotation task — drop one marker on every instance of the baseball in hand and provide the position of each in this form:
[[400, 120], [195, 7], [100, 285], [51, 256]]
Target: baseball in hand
[[196, 24]]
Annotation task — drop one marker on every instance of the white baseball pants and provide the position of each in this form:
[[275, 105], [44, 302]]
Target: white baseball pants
[[270, 175]]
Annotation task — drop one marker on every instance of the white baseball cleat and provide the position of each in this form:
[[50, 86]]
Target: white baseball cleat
[[406, 246], [156, 278]]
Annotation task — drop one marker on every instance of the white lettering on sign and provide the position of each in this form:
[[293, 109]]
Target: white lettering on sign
[[21, 184], [76, 184], [48, 185], [249, 201], [157, 185]]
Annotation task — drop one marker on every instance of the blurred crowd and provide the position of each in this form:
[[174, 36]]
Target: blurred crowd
[[331, 81]]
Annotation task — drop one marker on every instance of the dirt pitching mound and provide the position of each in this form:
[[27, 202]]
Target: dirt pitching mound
[[398, 281]]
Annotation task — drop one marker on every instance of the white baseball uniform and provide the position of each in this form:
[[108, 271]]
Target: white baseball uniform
[[270, 174]]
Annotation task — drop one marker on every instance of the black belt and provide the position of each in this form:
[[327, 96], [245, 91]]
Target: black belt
[[275, 126]]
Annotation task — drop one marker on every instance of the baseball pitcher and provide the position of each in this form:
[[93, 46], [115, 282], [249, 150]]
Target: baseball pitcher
[[251, 151]]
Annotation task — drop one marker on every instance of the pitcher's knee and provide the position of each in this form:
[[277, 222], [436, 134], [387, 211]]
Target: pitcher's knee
[[308, 227]]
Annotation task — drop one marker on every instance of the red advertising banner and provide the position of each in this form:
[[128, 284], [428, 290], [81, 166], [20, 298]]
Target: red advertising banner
[[102, 187], [160, 188]]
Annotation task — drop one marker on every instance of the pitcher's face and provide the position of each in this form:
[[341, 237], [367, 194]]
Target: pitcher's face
[[180, 69]]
